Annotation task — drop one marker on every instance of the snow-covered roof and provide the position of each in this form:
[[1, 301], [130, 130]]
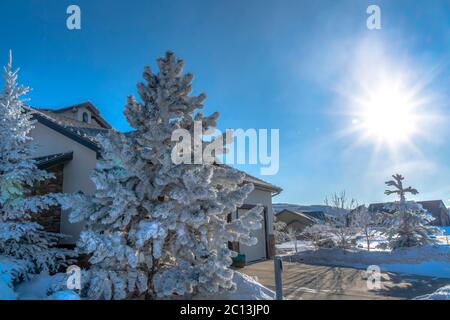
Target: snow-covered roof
[[262, 184]]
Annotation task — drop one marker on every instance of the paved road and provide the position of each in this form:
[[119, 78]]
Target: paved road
[[304, 281]]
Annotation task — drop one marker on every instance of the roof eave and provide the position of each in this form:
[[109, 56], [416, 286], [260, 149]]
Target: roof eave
[[69, 134]]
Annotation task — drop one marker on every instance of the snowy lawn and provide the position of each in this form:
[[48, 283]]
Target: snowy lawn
[[433, 261]]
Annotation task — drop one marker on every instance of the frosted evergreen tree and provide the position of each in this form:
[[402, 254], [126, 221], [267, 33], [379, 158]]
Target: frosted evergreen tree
[[20, 237], [155, 226], [407, 222]]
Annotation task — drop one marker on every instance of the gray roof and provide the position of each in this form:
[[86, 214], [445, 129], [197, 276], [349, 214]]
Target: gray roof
[[57, 114], [299, 214]]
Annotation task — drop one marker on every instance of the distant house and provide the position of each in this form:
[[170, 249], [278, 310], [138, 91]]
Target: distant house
[[436, 208], [66, 146], [297, 220], [318, 215]]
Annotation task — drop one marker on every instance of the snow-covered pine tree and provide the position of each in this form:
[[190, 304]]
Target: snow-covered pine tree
[[20, 237], [154, 226], [406, 222]]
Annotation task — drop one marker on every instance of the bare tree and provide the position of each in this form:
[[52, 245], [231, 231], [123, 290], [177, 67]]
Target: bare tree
[[340, 201], [365, 222], [293, 234], [341, 205], [344, 236]]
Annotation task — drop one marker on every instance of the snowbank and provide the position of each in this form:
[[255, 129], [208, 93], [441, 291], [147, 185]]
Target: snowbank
[[289, 247], [431, 261], [441, 294], [45, 287], [64, 295], [6, 291], [39, 287], [10, 271], [247, 289]]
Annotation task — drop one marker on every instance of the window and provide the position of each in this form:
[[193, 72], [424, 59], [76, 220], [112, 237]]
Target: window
[[85, 117]]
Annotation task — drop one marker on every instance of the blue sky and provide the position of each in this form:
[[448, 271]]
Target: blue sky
[[284, 64]]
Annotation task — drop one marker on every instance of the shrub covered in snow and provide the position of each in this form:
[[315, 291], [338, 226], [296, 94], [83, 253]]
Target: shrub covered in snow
[[320, 235]]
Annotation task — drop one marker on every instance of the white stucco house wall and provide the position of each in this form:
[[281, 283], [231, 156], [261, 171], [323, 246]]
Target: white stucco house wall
[[65, 140]]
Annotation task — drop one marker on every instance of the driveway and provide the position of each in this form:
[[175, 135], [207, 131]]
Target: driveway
[[314, 282]]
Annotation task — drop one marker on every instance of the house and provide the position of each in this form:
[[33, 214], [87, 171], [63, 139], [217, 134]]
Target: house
[[66, 145], [296, 219], [436, 208], [318, 215]]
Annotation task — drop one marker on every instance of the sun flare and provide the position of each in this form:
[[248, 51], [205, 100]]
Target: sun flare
[[388, 115]]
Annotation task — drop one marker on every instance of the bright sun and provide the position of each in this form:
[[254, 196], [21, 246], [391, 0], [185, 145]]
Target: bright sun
[[386, 104], [388, 115]]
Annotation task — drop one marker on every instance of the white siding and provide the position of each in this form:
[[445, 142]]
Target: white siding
[[259, 251]]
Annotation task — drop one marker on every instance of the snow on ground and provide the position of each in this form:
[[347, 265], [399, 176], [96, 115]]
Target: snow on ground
[[45, 287], [289, 247], [440, 294], [37, 287], [10, 271], [64, 295], [247, 289], [6, 291], [431, 261]]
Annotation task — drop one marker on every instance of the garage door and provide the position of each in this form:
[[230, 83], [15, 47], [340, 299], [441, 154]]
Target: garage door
[[258, 251]]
